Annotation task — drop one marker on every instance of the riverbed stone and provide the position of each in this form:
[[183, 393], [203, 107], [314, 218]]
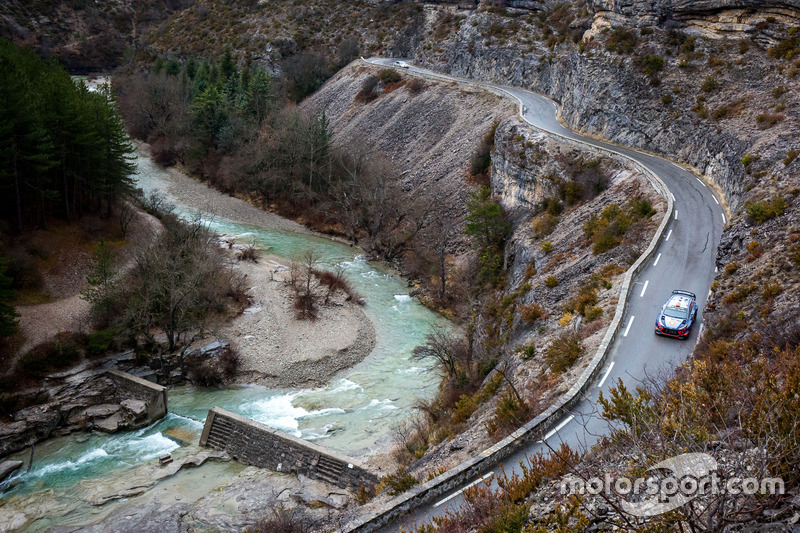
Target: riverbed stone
[[7, 467], [11, 520], [102, 410], [110, 424], [134, 412]]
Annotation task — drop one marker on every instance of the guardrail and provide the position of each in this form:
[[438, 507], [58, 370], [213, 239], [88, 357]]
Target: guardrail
[[458, 475]]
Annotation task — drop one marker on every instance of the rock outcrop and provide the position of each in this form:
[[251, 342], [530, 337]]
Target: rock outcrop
[[81, 399]]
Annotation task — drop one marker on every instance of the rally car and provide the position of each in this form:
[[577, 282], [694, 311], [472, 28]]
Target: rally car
[[677, 315]]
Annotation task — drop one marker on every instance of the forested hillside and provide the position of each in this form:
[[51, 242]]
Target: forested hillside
[[64, 149]]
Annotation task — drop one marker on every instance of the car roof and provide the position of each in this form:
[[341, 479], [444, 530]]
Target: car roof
[[678, 301]]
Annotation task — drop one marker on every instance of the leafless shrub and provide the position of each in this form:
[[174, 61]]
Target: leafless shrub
[[248, 253], [448, 350], [368, 91], [416, 86], [304, 282], [283, 520]]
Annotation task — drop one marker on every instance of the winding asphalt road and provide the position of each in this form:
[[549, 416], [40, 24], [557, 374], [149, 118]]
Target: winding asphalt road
[[684, 259]]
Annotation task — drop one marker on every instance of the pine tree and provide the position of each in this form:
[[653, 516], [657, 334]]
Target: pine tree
[[102, 284], [8, 316]]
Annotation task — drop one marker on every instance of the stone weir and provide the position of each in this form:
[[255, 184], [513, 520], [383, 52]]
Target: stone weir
[[256, 444]]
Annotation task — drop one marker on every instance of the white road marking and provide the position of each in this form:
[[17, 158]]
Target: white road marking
[[629, 326], [644, 288], [656, 261], [673, 196], [676, 214], [702, 325], [482, 478], [724, 220], [558, 427], [668, 235], [676, 164], [700, 181], [709, 294], [716, 269], [600, 385], [715, 199]]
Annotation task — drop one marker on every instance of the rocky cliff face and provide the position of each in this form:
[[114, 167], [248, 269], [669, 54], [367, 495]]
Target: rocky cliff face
[[716, 17], [706, 102]]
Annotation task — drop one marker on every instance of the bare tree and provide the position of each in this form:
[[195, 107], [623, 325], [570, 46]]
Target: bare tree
[[439, 235], [178, 282], [449, 351], [305, 284], [126, 214], [367, 200]]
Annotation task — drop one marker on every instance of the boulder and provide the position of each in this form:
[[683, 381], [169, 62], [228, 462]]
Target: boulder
[[102, 411], [110, 424], [7, 467], [33, 424], [134, 412]]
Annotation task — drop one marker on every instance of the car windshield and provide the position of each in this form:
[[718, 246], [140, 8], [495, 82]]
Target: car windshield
[[676, 309]]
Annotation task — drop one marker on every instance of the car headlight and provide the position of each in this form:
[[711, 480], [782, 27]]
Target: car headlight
[[683, 325]]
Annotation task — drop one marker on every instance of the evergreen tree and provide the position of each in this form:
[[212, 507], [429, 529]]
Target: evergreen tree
[[102, 284], [486, 221], [8, 316], [260, 96], [64, 150]]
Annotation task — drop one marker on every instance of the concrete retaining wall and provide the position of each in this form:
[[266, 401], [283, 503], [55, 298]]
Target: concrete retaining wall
[[533, 430], [253, 443], [131, 387]]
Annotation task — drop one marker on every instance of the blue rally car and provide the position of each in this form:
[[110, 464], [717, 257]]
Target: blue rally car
[[677, 315]]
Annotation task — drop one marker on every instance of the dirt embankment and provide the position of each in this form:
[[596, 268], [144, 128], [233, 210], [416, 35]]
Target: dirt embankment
[[428, 132]]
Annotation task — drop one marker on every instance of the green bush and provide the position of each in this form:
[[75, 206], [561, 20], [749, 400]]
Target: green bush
[[666, 99], [490, 263], [551, 282], [709, 84], [509, 413], [544, 224], [760, 212], [527, 353], [583, 301], [400, 482], [786, 49], [790, 156], [563, 352], [747, 160], [779, 91], [100, 342], [622, 41], [606, 230], [767, 120], [641, 208], [49, 357], [547, 247], [592, 313], [651, 64], [701, 110], [389, 75]]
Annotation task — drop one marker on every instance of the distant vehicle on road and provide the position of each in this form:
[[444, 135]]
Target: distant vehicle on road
[[401, 64], [677, 315]]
